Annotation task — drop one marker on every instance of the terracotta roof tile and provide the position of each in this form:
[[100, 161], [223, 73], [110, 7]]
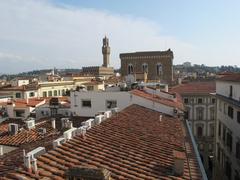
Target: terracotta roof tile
[[195, 88], [234, 77], [133, 144], [153, 97], [24, 135]]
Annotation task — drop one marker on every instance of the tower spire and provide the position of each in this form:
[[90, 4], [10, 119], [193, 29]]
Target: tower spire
[[106, 52]]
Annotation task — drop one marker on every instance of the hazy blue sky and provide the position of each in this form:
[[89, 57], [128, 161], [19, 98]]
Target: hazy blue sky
[[68, 33]]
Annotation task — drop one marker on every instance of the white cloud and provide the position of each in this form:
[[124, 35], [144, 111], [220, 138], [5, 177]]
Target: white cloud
[[38, 34]]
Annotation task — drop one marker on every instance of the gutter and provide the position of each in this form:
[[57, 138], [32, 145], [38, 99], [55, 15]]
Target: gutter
[[202, 170]]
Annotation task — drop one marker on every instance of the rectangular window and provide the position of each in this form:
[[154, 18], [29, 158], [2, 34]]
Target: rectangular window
[[86, 103], [224, 135], [55, 92], [200, 100], [90, 88], [18, 95], [31, 94], [218, 153], [228, 169], [230, 112], [185, 100], [219, 129], [111, 104], [44, 94], [220, 106], [229, 141], [230, 91], [20, 113], [238, 150], [238, 117], [213, 100], [49, 93]]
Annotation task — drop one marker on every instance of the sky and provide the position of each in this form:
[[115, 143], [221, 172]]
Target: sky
[[40, 34]]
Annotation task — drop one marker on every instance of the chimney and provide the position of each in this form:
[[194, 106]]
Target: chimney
[[178, 158], [27, 162], [53, 121], [34, 165], [179, 80], [166, 88], [1, 150]]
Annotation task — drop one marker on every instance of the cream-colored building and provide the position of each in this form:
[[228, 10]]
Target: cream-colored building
[[200, 112], [227, 160]]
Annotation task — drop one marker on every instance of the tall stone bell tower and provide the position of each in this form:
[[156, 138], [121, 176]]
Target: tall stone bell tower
[[106, 52]]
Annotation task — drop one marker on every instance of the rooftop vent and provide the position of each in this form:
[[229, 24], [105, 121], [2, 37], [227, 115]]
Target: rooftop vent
[[13, 128], [179, 158], [69, 133], [115, 110], [58, 142], [42, 131], [89, 123], [30, 123], [64, 122], [99, 119], [108, 114], [30, 161]]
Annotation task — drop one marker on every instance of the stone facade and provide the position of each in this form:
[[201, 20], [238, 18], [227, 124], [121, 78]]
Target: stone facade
[[98, 71], [200, 111], [157, 64]]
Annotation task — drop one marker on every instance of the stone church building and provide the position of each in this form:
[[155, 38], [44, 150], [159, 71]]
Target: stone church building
[[158, 65]]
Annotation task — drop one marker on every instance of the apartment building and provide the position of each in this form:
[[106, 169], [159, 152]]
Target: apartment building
[[227, 161], [200, 112]]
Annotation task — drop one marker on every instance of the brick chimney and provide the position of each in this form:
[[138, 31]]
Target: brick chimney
[[179, 158]]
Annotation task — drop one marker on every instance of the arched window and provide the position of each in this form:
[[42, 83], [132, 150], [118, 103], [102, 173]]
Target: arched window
[[212, 113], [159, 69], [130, 69], [200, 113], [145, 67], [199, 131]]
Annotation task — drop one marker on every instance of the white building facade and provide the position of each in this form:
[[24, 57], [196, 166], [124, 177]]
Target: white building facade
[[89, 103], [227, 161]]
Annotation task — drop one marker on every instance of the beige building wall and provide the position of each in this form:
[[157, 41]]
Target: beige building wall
[[203, 125]]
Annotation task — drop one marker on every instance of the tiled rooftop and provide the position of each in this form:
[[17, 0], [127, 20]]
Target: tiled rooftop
[[195, 88], [134, 144], [22, 103], [28, 87], [24, 135], [233, 77], [153, 97]]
